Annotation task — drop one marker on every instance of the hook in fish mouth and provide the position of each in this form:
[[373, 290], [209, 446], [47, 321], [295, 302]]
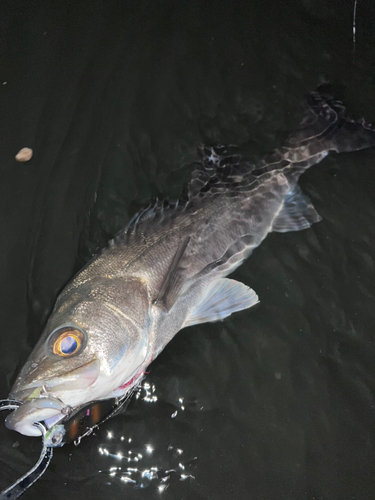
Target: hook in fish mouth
[[49, 400], [39, 406]]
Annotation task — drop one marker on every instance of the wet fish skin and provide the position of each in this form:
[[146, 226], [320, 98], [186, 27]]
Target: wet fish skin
[[167, 269]]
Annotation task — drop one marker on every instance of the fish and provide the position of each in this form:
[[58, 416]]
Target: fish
[[167, 270]]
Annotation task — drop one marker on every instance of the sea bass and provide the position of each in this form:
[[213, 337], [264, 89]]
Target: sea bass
[[167, 269]]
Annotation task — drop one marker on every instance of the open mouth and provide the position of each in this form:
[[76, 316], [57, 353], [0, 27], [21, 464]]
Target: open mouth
[[45, 409], [41, 404]]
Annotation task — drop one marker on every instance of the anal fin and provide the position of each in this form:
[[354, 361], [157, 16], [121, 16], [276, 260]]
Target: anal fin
[[296, 214], [223, 297]]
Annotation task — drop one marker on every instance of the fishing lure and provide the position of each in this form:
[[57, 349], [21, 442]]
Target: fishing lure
[[81, 422]]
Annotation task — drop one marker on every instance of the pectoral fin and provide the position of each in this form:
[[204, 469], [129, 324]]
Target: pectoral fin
[[224, 297], [171, 285], [297, 213]]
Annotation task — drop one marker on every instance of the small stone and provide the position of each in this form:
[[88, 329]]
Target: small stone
[[25, 154]]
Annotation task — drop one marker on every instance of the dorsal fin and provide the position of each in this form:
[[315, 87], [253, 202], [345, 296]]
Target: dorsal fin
[[221, 171], [221, 168]]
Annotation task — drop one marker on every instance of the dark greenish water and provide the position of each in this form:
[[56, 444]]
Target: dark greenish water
[[113, 97]]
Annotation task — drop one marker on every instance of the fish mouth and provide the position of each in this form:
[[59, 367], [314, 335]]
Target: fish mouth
[[50, 410], [41, 402]]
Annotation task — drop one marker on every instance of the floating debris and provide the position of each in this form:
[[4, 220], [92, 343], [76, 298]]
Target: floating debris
[[24, 154]]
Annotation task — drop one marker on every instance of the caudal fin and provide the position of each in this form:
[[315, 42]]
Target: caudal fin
[[324, 128], [325, 120]]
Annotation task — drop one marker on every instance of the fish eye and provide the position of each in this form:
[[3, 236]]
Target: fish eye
[[67, 341]]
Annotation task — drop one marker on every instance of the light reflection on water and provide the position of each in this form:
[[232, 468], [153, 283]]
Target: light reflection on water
[[146, 465]]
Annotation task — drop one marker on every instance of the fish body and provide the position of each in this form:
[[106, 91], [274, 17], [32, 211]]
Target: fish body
[[167, 270]]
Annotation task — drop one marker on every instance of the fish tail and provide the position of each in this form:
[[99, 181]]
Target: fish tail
[[325, 127]]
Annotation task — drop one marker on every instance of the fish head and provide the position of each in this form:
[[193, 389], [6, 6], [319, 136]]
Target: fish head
[[96, 339]]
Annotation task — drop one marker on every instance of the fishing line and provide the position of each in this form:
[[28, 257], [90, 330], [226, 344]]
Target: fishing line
[[354, 21], [28, 479]]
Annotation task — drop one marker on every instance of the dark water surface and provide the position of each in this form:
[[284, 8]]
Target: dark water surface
[[113, 97]]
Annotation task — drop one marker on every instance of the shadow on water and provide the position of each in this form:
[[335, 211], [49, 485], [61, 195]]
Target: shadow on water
[[113, 97]]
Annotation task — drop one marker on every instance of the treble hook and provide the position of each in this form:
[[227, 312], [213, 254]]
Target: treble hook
[[28, 479]]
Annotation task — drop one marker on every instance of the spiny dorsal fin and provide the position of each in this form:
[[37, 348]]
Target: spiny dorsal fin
[[221, 168]]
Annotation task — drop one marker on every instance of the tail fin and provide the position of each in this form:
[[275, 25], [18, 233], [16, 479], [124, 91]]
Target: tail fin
[[326, 120], [324, 128]]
